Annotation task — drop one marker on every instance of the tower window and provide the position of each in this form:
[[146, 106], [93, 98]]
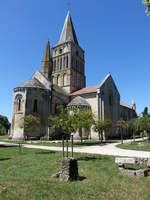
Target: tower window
[[110, 100], [64, 62], [77, 53], [60, 51], [35, 106], [19, 104], [67, 61], [60, 63], [54, 65]]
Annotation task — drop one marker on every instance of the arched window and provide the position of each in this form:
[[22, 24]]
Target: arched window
[[18, 102], [35, 105]]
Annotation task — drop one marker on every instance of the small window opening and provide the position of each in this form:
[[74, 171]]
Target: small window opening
[[35, 106], [19, 104]]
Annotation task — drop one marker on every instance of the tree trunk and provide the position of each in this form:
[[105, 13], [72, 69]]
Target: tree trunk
[[72, 146], [63, 146], [147, 138], [67, 146], [122, 136], [133, 135], [80, 132], [99, 137]]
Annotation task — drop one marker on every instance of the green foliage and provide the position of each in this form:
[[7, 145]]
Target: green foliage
[[70, 121], [31, 125], [4, 124], [147, 3], [145, 123], [2, 129], [103, 125], [135, 125], [83, 118], [145, 112], [123, 124], [64, 121]]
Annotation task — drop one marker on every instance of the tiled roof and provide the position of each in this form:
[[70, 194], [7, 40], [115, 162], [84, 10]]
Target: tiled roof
[[86, 90], [79, 101], [125, 105], [32, 83]]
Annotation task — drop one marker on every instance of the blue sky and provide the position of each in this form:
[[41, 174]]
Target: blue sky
[[114, 34]]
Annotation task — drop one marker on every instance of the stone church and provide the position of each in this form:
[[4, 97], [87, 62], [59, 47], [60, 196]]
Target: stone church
[[62, 81]]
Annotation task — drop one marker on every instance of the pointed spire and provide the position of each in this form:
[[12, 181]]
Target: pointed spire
[[46, 62], [46, 56], [68, 31]]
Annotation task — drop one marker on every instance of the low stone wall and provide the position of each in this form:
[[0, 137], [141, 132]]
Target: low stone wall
[[122, 161]]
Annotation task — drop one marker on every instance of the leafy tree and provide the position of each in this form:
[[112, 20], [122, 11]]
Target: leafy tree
[[135, 126], [65, 121], [147, 3], [84, 120], [122, 125], [2, 129], [4, 124], [101, 126], [31, 125], [145, 112], [145, 126]]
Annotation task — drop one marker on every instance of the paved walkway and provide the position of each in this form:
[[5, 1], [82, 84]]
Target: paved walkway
[[103, 149]]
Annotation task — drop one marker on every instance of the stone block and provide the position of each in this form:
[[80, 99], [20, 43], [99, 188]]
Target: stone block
[[123, 160], [69, 170]]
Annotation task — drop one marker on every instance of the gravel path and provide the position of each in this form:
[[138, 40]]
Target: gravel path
[[103, 149]]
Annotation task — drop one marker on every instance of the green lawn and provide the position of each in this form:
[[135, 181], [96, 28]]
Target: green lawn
[[140, 146], [57, 143], [27, 175]]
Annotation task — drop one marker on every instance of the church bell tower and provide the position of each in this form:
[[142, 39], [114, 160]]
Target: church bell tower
[[68, 60]]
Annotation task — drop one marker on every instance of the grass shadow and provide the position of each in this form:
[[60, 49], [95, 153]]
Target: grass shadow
[[46, 152], [81, 178], [87, 158], [91, 143], [3, 159], [7, 145]]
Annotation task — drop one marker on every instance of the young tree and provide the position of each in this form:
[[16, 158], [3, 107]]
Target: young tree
[[31, 125], [122, 125], [84, 120], [101, 126], [145, 126], [145, 112], [2, 129], [134, 126], [65, 121], [4, 123]]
